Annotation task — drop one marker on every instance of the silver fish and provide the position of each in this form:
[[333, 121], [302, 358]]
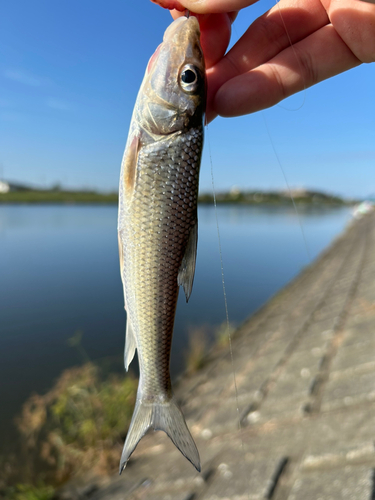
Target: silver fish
[[157, 224]]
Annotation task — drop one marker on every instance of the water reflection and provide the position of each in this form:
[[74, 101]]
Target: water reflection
[[60, 273]]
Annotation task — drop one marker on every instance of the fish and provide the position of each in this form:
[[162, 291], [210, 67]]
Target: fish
[[158, 224]]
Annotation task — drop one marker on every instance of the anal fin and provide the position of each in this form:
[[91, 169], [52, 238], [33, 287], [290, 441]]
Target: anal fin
[[130, 344]]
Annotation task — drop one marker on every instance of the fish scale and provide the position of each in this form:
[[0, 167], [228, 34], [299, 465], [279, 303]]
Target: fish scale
[[169, 216], [157, 224]]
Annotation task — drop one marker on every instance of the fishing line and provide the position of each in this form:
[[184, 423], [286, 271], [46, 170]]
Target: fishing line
[[273, 144], [271, 141], [297, 59], [219, 238], [224, 290], [226, 305], [288, 188]]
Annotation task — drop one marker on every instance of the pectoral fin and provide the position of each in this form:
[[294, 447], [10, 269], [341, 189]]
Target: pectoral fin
[[186, 272], [129, 164], [121, 255]]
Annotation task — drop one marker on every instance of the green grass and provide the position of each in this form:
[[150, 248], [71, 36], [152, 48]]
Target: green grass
[[258, 198], [196, 353], [28, 492], [203, 339], [77, 426], [245, 198]]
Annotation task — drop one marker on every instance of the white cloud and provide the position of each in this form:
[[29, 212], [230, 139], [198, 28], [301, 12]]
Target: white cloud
[[57, 104], [23, 77], [11, 116], [344, 156], [4, 103]]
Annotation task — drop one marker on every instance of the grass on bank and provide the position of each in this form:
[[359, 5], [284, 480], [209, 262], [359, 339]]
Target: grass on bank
[[28, 492], [78, 426], [58, 196], [309, 198], [196, 355], [197, 350]]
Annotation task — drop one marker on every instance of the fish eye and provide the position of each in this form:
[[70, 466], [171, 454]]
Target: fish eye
[[189, 78]]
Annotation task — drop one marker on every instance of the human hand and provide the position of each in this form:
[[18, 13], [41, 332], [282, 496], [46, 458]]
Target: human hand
[[295, 45]]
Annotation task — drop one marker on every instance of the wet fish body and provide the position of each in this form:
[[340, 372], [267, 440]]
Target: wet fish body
[[157, 224]]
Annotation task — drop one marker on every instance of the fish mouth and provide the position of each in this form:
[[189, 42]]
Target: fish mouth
[[181, 23]]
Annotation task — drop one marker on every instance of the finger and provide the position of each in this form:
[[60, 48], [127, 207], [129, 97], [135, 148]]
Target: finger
[[231, 15], [354, 21], [215, 34], [288, 22], [205, 6], [294, 69], [178, 13], [170, 4]]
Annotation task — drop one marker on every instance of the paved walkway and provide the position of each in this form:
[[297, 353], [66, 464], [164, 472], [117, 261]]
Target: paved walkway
[[305, 375]]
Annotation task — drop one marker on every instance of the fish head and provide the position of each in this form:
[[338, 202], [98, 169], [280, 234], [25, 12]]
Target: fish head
[[173, 93]]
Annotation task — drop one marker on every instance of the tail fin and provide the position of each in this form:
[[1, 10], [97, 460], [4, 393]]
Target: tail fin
[[165, 417]]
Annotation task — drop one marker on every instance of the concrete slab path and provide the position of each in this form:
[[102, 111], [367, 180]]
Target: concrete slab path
[[302, 424]]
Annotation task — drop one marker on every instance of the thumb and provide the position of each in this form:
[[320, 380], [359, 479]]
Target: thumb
[[205, 6]]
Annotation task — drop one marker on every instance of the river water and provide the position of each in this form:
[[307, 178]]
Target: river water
[[59, 275]]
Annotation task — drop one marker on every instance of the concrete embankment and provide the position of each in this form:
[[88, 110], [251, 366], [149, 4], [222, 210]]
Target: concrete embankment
[[305, 379]]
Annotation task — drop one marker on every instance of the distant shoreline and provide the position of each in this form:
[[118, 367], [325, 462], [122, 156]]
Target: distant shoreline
[[237, 198], [58, 197]]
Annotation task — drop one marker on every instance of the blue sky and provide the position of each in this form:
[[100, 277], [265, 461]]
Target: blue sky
[[69, 75]]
